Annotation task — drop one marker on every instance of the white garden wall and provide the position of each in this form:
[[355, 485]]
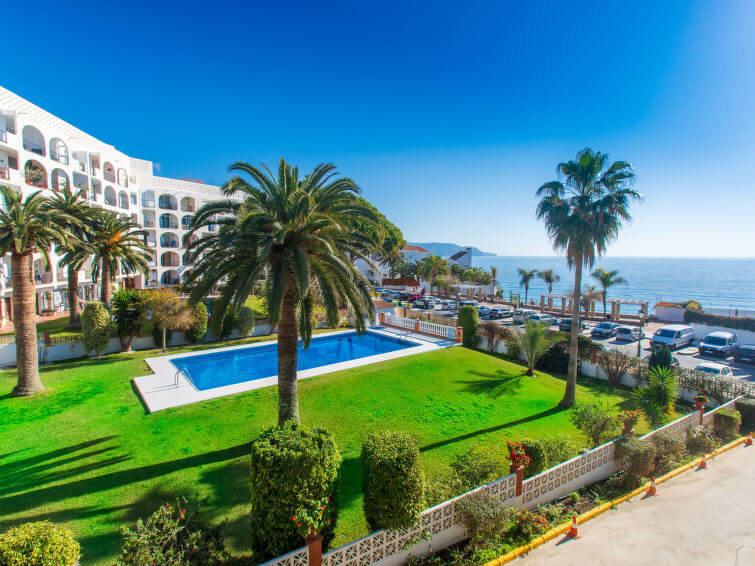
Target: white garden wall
[[702, 330]]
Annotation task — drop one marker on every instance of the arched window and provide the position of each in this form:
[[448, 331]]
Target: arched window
[[168, 220], [188, 258], [167, 202], [35, 174], [59, 151], [33, 140], [169, 259], [169, 277], [186, 222], [148, 199], [108, 171], [123, 200], [169, 240], [149, 239], [187, 240], [122, 177], [188, 204], [110, 196], [59, 179]]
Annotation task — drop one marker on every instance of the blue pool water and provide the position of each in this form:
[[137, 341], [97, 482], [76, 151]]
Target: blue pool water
[[216, 369]]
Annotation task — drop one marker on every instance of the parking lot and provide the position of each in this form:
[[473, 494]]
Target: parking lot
[[688, 357]]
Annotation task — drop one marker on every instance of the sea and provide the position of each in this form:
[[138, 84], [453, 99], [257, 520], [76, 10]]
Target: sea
[[724, 286]]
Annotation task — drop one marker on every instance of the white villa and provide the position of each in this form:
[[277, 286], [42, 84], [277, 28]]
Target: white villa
[[41, 151]]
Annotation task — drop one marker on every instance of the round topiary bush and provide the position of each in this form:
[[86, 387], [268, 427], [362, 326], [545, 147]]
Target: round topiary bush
[[637, 457], [392, 480], [746, 408], [95, 327], [198, 329], [670, 449], [538, 458], [229, 322], [701, 439], [469, 320], [245, 321], [291, 466], [726, 423], [39, 544]]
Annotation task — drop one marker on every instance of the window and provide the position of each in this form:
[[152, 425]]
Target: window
[[133, 198]]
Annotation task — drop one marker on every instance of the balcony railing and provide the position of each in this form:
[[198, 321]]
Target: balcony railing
[[4, 173], [151, 243], [110, 201], [170, 281], [167, 205], [148, 203], [171, 225], [36, 182], [3, 136], [171, 244], [148, 223], [109, 176], [34, 147], [168, 263], [94, 170], [187, 208], [43, 278], [59, 157]]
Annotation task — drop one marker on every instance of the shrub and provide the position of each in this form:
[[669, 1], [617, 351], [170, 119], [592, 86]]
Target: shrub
[[472, 469], [736, 323], [173, 534], [484, 516], [670, 449], [597, 420], [701, 439], [528, 524], [128, 313], [95, 327], [535, 450], [560, 448], [556, 360], [157, 336], [746, 408], [615, 365], [491, 330], [291, 465], [198, 330], [658, 399], [726, 423], [393, 480], [637, 457], [660, 357], [38, 544], [469, 320], [246, 321], [229, 323]]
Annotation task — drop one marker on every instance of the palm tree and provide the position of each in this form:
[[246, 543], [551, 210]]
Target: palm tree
[[115, 241], [27, 226], [300, 231], [582, 215], [393, 259], [430, 266], [535, 341], [494, 274], [549, 278], [457, 270], [524, 280], [73, 206], [607, 279]]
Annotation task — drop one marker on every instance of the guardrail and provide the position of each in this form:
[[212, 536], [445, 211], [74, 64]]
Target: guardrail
[[422, 327]]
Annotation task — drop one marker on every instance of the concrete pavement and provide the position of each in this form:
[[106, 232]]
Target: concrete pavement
[[704, 517]]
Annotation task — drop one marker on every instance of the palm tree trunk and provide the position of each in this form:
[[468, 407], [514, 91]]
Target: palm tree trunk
[[288, 343], [526, 292], [164, 333], [74, 319], [570, 393], [106, 292], [604, 302], [25, 325]]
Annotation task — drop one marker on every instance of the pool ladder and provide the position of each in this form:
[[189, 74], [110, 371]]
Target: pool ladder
[[186, 375]]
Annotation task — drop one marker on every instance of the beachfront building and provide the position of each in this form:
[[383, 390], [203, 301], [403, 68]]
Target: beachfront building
[[39, 151]]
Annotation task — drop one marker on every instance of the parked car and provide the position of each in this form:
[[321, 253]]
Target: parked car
[[482, 310], [745, 354], [564, 325], [450, 305], [604, 330], [719, 344], [627, 333], [425, 303], [674, 336], [520, 315], [715, 369], [387, 294], [674, 361], [542, 318], [468, 303], [499, 312]]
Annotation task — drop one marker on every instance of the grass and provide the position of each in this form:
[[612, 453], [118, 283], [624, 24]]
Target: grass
[[85, 454], [56, 327], [257, 304]]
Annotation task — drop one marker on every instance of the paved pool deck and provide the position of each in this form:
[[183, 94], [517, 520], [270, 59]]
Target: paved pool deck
[[698, 518], [166, 387]]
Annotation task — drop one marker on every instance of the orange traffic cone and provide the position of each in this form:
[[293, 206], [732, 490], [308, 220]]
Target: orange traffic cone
[[573, 532], [703, 463], [748, 440], [651, 490]]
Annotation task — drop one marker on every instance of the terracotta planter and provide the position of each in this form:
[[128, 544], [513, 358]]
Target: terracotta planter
[[314, 544], [628, 429], [699, 405], [519, 471]]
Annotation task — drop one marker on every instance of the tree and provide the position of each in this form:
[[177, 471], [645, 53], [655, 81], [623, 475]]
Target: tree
[[128, 315], [95, 327], [597, 420], [27, 226], [300, 232], [168, 311], [386, 234], [77, 214], [431, 266], [549, 278], [658, 399], [393, 261], [535, 341], [583, 213], [524, 280], [116, 241], [477, 276], [607, 279]]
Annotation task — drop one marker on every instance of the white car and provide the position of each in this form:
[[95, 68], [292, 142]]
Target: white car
[[627, 333], [450, 305], [543, 318], [499, 312], [674, 336], [482, 310], [715, 369], [520, 315]]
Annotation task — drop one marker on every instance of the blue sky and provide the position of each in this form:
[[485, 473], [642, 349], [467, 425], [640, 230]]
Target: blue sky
[[449, 115]]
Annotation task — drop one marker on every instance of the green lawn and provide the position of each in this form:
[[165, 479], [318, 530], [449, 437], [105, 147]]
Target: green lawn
[[258, 305], [56, 327], [85, 454]]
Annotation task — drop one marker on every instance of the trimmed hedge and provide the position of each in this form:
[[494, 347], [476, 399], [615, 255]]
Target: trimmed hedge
[[95, 327], [556, 359], [735, 323], [726, 423], [291, 466], [746, 408], [469, 320], [246, 321], [198, 330], [538, 457], [38, 544], [393, 480], [670, 449], [637, 457], [701, 439]]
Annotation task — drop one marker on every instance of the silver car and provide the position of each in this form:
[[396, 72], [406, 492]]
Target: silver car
[[627, 333]]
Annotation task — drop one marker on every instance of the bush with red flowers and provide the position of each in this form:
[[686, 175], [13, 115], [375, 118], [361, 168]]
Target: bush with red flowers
[[517, 455], [311, 518]]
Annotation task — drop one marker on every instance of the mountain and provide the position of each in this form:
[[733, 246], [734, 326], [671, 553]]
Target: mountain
[[446, 250]]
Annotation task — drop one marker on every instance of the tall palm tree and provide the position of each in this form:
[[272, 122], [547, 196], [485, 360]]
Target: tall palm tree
[[583, 212], [549, 278], [607, 279], [457, 270], [73, 207], [115, 241], [393, 259], [534, 342], [301, 233], [27, 226], [524, 280], [494, 274], [430, 266]]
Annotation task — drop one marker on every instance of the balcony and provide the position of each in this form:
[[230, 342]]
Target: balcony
[[109, 176], [43, 278], [35, 181], [4, 173], [3, 136], [148, 223], [169, 244], [34, 147], [111, 201], [169, 263], [59, 157], [148, 203], [151, 242]]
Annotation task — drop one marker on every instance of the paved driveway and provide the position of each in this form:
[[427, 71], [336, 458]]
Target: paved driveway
[[704, 517]]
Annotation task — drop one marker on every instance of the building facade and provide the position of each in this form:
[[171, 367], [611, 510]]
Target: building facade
[[39, 151]]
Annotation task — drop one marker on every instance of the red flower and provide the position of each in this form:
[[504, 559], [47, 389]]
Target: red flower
[[293, 518]]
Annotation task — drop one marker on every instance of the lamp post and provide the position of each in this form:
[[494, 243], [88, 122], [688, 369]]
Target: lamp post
[[643, 314]]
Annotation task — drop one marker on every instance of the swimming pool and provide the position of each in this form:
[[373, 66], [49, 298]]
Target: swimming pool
[[229, 367]]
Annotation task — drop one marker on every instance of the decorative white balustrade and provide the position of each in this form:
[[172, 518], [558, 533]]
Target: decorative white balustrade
[[421, 326]]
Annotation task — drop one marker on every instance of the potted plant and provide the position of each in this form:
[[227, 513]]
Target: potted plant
[[630, 420], [700, 401], [310, 519], [518, 457]]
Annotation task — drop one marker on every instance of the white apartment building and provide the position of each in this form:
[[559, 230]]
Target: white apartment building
[[39, 151]]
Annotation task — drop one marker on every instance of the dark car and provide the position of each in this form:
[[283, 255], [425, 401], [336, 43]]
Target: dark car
[[565, 325], [674, 361], [604, 330], [719, 343], [745, 354]]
